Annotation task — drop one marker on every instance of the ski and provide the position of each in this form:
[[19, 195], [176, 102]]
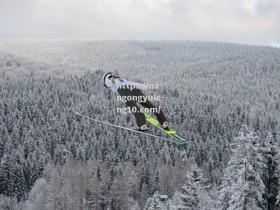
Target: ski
[[124, 128], [170, 132]]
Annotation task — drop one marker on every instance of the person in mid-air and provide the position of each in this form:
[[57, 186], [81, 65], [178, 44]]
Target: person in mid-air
[[127, 88]]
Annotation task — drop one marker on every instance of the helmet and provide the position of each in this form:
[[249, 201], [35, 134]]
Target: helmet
[[107, 76]]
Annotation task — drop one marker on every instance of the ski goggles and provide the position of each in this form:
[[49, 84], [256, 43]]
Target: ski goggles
[[110, 76]]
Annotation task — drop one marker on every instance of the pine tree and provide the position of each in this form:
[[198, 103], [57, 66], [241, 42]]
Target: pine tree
[[7, 203], [271, 152], [190, 191], [7, 184], [153, 203], [4, 138], [20, 188], [242, 187]]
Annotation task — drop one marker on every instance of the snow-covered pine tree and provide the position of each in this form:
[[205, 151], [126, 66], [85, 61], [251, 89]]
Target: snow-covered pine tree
[[271, 152], [242, 186], [7, 203], [189, 195], [153, 203], [7, 176]]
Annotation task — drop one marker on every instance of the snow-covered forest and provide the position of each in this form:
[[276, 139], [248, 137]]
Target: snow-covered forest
[[225, 98]]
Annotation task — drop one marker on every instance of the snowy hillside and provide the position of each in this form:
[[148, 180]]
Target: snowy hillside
[[224, 97]]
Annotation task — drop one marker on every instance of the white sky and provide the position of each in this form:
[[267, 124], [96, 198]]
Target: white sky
[[241, 21]]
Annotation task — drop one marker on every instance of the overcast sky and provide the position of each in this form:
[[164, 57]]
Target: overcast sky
[[240, 21]]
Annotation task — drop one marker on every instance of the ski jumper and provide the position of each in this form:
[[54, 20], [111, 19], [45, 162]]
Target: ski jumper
[[127, 88]]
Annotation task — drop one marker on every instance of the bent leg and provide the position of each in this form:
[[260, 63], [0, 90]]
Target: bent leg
[[159, 115], [147, 104]]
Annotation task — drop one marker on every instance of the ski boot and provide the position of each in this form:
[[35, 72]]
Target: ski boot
[[165, 125], [142, 128]]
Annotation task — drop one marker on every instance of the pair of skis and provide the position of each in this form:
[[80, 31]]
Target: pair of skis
[[171, 132]]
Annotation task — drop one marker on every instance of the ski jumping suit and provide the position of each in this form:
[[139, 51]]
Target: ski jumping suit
[[127, 88]]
